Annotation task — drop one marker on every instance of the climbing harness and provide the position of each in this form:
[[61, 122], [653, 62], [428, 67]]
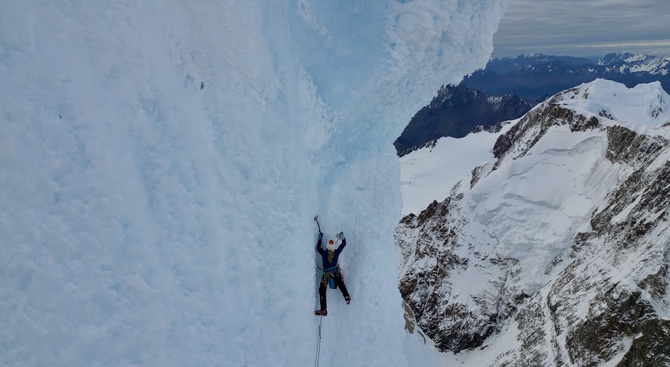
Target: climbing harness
[[329, 275]]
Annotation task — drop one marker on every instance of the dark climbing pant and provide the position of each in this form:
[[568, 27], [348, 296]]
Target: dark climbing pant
[[339, 283]]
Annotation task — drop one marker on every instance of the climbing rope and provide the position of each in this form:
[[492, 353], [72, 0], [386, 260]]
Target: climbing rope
[[318, 344]]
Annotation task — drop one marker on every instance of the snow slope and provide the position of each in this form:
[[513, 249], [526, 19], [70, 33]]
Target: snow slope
[[430, 173], [161, 162]]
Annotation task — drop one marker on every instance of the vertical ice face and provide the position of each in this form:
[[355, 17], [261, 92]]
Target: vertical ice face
[[161, 162]]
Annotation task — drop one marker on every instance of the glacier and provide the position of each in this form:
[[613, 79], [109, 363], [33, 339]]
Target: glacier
[[161, 163]]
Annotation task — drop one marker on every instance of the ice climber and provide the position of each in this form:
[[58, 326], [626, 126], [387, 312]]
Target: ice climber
[[331, 271]]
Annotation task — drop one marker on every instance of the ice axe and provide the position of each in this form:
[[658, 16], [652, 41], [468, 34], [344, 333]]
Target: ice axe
[[316, 219]]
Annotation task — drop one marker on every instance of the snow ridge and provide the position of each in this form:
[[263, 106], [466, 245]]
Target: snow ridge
[[645, 104]]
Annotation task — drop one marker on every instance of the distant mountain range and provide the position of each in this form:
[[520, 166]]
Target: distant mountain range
[[509, 87], [538, 76]]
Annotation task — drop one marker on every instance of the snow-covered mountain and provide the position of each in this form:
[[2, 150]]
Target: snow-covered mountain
[[161, 163], [505, 83], [455, 112], [553, 247]]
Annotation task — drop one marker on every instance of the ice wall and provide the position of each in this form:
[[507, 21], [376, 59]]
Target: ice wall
[[161, 162]]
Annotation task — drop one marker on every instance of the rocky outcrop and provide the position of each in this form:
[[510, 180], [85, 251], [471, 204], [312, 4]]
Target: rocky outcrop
[[433, 248]]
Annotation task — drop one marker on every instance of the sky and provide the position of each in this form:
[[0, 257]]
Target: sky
[[584, 28]]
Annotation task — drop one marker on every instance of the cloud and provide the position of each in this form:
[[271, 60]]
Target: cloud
[[584, 28]]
